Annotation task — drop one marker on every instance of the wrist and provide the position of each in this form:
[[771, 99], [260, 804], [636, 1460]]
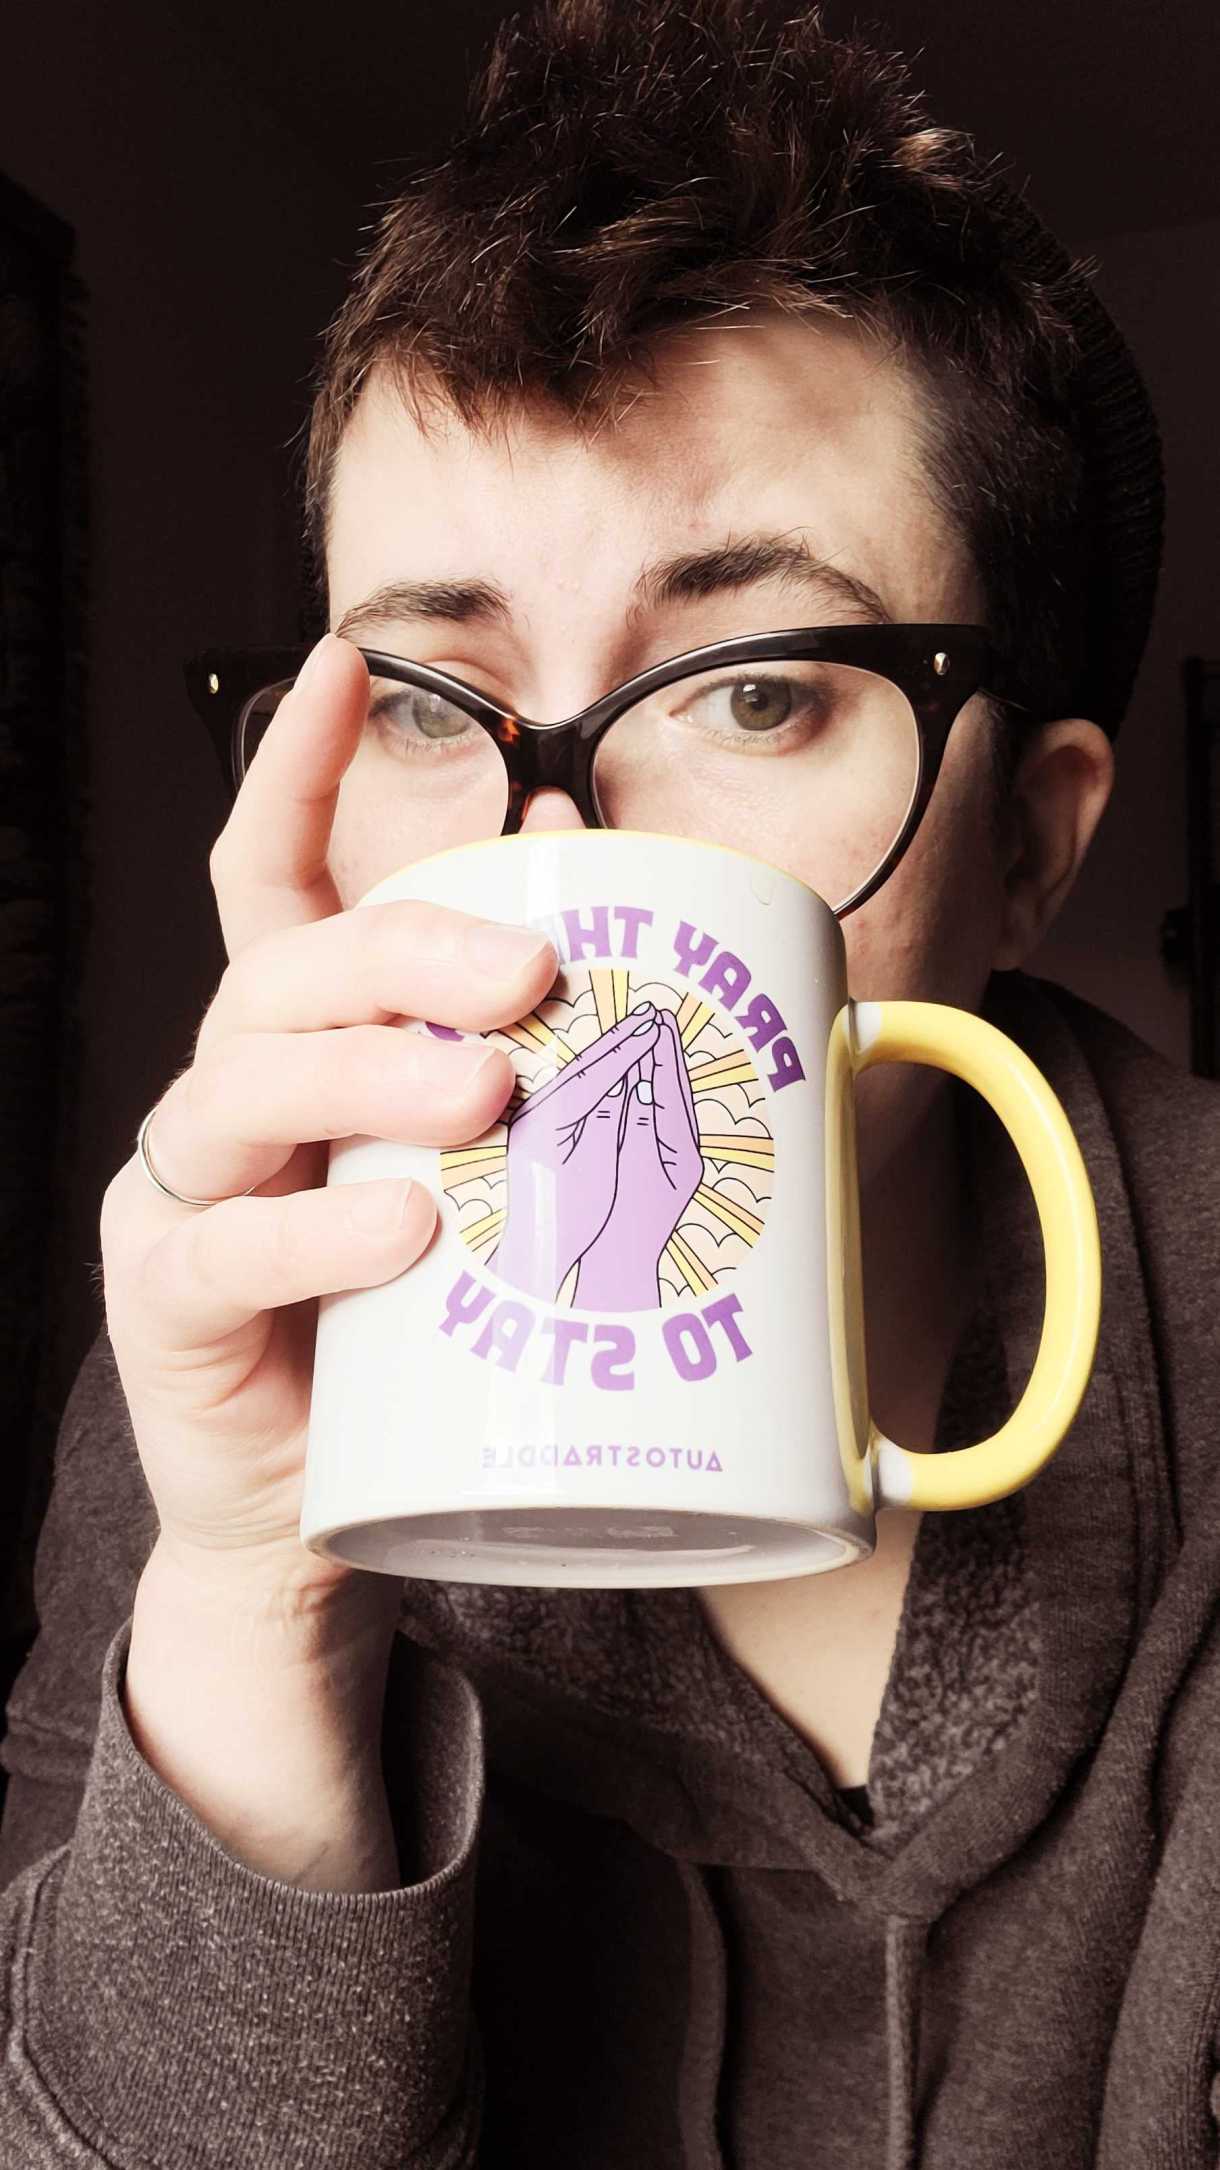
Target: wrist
[[608, 1282], [276, 1597], [526, 1268], [262, 1706]]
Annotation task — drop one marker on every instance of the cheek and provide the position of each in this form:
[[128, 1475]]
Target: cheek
[[362, 849], [931, 931], [928, 935]]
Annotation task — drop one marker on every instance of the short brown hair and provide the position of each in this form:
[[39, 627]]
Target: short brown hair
[[626, 168]]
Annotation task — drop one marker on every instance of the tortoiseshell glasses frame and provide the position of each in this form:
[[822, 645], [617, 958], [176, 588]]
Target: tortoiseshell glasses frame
[[937, 667]]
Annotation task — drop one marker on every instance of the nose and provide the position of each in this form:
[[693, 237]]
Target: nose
[[550, 809]]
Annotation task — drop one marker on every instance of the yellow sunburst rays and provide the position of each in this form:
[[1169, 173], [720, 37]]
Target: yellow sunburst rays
[[723, 1070], [536, 1037], [737, 1218], [481, 1235], [611, 996], [464, 1163], [690, 1268], [693, 1015], [748, 1152], [611, 999]]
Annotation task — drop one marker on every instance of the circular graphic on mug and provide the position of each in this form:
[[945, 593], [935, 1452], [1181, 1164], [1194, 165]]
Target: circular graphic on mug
[[633, 1165]]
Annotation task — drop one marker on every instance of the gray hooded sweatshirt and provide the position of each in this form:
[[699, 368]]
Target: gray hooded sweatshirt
[[637, 1927]]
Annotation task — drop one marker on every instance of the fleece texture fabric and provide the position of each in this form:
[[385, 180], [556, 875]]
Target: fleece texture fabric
[[637, 1927]]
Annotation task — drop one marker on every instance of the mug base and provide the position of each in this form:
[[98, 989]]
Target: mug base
[[591, 1548]]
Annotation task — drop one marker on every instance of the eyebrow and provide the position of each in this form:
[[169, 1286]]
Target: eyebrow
[[691, 576]]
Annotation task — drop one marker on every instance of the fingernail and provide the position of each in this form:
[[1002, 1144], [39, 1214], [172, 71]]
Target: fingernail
[[647, 1026], [505, 951], [454, 1064], [643, 1091], [379, 1208]]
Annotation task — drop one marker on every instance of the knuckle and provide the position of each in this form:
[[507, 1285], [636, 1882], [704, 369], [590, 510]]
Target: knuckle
[[145, 1283], [118, 1190], [113, 1213], [190, 1257], [232, 996], [255, 964], [216, 1075], [287, 1232], [362, 1057], [212, 1026], [220, 857], [415, 918], [241, 996], [408, 912]]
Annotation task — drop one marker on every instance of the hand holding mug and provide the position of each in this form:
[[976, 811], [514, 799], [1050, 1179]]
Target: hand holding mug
[[212, 1315]]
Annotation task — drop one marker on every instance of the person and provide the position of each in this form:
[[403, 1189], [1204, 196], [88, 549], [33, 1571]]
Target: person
[[702, 330]]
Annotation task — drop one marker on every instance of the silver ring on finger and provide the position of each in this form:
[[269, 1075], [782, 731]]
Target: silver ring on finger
[[154, 1178]]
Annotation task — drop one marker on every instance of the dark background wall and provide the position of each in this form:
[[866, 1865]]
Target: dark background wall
[[218, 163]]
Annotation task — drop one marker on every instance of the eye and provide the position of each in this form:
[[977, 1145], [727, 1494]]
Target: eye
[[753, 704], [411, 712], [759, 704]]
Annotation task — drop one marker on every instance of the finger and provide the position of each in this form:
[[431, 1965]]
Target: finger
[[671, 1086], [599, 1133], [269, 864], [213, 1274], [638, 1155], [605, 1043], [622, 1095], [401, 959], [242, 1111], [582, 1083]]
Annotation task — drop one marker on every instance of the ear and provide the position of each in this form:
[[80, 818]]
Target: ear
[[1058, 796]]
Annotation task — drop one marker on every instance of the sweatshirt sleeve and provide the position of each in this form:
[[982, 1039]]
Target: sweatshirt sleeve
[[162, 2003]]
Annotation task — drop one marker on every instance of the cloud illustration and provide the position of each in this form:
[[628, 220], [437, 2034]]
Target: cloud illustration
[[477, 1200], [707, 1239], [747, 1187], [658, 991], [728, 1108]]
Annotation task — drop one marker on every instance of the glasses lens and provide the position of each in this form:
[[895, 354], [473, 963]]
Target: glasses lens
[[812, 765], [253, 721], [424, 771]]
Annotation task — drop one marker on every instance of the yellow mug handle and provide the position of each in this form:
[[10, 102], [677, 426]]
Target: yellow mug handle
[[957, 1041]]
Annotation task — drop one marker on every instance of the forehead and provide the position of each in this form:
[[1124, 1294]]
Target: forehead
[[761, 424]]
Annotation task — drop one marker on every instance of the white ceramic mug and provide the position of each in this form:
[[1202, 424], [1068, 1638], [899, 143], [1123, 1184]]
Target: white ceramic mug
[[634, 1352]]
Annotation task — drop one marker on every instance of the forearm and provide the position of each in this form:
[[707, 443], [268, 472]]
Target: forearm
[[265, 1718]]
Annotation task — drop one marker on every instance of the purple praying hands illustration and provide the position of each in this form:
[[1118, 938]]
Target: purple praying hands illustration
[[602, 1163]]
